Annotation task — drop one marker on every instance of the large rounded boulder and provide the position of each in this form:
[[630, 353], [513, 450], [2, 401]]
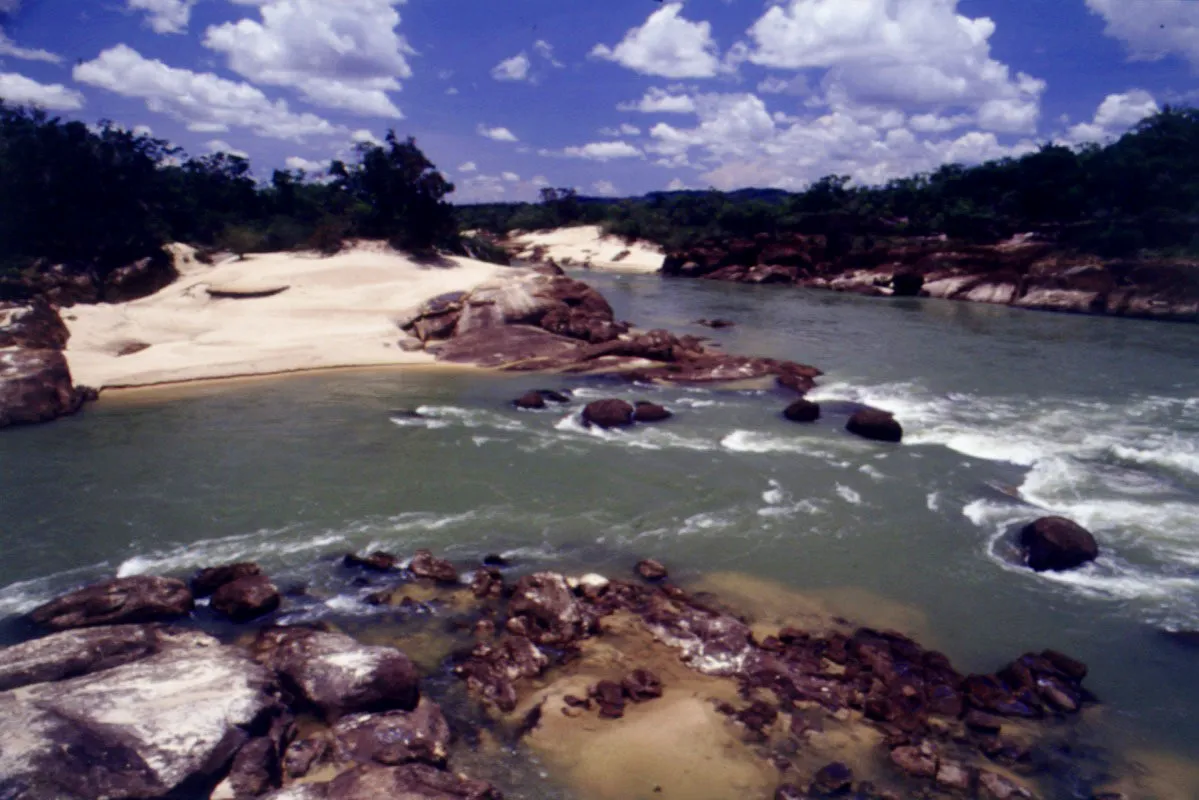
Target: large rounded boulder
[[142, 598], [873, 423], [650, 412], [246, 598], [802, 411], [1057, 544], [608, 413]]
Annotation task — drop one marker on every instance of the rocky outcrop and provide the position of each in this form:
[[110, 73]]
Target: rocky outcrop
[[246, 598], [651, 569], [143, 598], [394, 737], [410, 782], [205, 582], [140, 279], [1055, 543], [543, 608], [1023, 272], [337, 675], [84, 651], [872, 423], [425, 565], [175, 716], [35, 381]]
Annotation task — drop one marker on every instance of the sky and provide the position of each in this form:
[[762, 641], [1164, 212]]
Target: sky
[[613, 97]]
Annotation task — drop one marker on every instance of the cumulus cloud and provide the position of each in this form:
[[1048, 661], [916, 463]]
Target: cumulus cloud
[[364, 136], [306, 165], [511, 177], [625, 129], [221, 146], [605, 189], [512, 69], [660, 101], [497, 134], [666, 45], [602, 151], [918, 54], [165, 16], [539, 181], [1115, 115], [10, 48], [201, 100], [1152, 29], [346, 55], [19, 90], [546, 51], [469, 166], [480, 188]]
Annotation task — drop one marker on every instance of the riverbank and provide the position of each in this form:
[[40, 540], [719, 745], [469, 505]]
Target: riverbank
[[586, 247]]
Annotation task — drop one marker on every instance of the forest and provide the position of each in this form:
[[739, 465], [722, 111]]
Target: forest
[[97, 197]]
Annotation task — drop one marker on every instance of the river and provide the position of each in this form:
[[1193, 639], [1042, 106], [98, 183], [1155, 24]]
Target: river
[[1008, 415]]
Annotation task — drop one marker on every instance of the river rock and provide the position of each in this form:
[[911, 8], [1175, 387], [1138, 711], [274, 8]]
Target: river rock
[[254, 772], [530, 401], [394, 737], [377, 561], [802, 411], [650, 412], [832, 779], [487, 582], [142, 598], [424, 565], [409, 782], [651, 570], [993, 786], [207, 581], [872, 423], [83, 651], [711, 642], [1056, 543], [246, 598], [641, 685], [548, 609], [917, 761], [336, 674], [491, 671], [609, 413], [137, 730]]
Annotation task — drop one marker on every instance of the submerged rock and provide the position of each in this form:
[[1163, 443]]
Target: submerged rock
[[872, 423], [609, 413], [143, 598], [338, 675], [531, 401], [802, 411], [1056, 543], [377, 561], [651, 570], [424, 565]]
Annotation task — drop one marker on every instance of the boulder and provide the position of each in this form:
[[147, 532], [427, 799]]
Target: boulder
[[491, 671], [336, 674], [711, 642], [832, 779], [506, 345], [246, 598], [424, 565], [143, 598], [207, 581], [255, 770], [918, 762], [82, 651], [651, 570], [608, 413], [377, 561], [641, 685], [650, 412], [487, 583], [394, 737], [33, 325], [1056, 543], [530, 401], [138, 730], [35, 386], [141, 278], [872, 423], [802, 411], [548, 609]]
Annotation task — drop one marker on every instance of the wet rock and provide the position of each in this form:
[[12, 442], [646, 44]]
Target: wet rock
[[207, 581], [917, 761], [641, 685], [246, 598], [907, 284], [1056, 543], [998, 787], [1071, 668], [495, 560], [337, 675], [376, 562], [33, 325], [254, 772], [953, 776], [137, 730], [989, 693], [84, 651], [142, 598], [758, 716], [651, 570], [530, 401], [424, 565], [715, 324], [394, 737], [409, 782], [551, 612], [832, 779], [554, 396], [981, 722], [609, 697], [650, 412], [487, 583], [608, 413], [36, 386], [709, 641], [802, 411], [302, 754], [875, 424], [492, 670]]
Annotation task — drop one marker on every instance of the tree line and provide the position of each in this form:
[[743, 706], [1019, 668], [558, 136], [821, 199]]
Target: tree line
[[1136, 195]]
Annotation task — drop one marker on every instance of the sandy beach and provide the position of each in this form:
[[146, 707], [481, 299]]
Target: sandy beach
[[272, 313], [586, 245]]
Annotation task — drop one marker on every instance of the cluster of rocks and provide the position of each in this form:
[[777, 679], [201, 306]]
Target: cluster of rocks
[[35, 381], [869, 423], [550, 322], [1022, 272]]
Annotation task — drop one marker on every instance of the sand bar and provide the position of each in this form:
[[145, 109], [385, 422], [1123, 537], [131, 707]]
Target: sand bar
[[587, 244]]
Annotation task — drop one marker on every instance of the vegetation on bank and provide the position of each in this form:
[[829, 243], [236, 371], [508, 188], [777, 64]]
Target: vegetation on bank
[[98, 198], [1137, 195]]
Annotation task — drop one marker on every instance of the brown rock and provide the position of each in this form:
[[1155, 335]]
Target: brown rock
[[140, 279], [246, 598], [651, 570], [641, 685], [377, 561], [35, 386], [207, 581], [802, 411], [650, 412], [394, 737], [953, 776], [143, 598], [871, 423], [424, 565], [487, 583], [32, 325], [530, 401], [549, 609], [1055, 543], [919, 762], [993, 785], [609, 696], [608, 413], [492, 670], [409, 782]]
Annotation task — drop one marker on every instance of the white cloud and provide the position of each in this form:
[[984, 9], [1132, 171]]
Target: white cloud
[[203, 101], [511, 177], [165, 16], [1152, 29], [660, 101], [221, 146], [932, 123], [512, 69], [143, 130], [917, 54], [776, 85], [364, 136], [605, 189], [452, 90], [469, 166], [480, 188], [677, 185], [666, 45], [305, 165], [539, 181], [546, 51], [10, 48], [625, 129], [498, 134], [603, 151], [345, 55], [1115, 115], [19, 90]]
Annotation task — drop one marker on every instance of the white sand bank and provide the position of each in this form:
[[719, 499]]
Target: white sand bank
[[587, 245], [335, 312]]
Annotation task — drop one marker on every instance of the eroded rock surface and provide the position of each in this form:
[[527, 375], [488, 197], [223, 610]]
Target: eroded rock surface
[[35, 381], [142, 598]]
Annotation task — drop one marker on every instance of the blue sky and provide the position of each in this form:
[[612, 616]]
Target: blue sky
[[614, 97]]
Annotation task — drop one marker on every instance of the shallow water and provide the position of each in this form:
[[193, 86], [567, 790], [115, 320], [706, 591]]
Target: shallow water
[[1009, 415]]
